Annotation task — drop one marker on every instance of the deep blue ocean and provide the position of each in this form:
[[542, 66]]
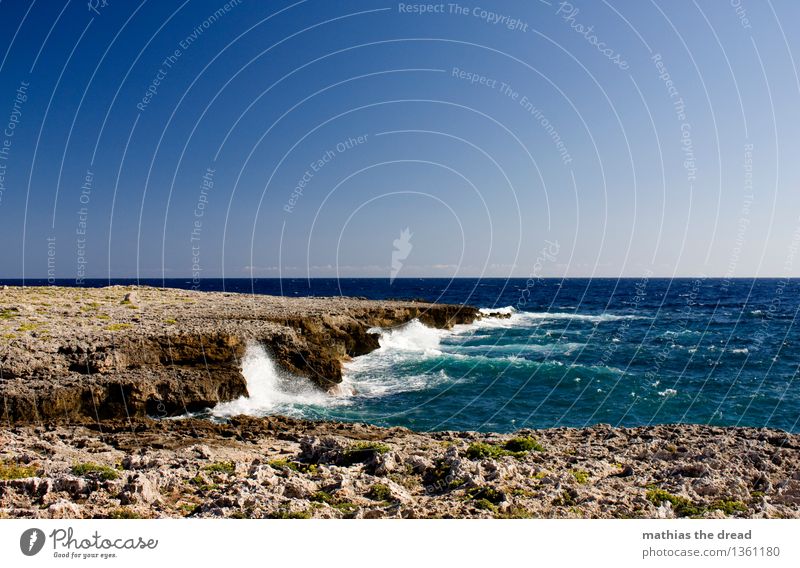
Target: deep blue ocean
[[573, 352]]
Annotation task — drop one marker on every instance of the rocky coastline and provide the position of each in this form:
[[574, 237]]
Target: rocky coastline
[[84, 371], [78, 355]]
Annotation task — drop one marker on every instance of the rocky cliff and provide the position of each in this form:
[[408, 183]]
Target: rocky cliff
[[75, 355]]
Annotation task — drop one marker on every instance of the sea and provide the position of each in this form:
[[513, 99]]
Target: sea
[[571, 352]]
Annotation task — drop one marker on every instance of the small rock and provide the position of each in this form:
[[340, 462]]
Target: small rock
[[63, 509], [299, 488], [140, 489], [626, 471], [694, 470]]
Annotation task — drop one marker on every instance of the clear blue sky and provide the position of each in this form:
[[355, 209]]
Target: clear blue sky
[[617, 137]]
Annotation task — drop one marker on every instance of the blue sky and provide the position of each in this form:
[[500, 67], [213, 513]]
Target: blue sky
[[511, 138]]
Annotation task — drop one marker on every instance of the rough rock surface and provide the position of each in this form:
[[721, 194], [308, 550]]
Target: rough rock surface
[[83, 355], [286, 468], [82, 370]]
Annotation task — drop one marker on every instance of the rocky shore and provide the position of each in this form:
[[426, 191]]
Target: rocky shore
[[284, 468], [83, 371]]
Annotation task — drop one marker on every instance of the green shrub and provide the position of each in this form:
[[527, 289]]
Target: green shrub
[[188, 509], [323, 497], [284, 514], [294, 466], [516, 513], [99, 471], [729, 507], [580, 475], [485, 505], [682, 506], [345, 507], [124, 513], [200, 482], [226, 467], [10, 470], [565, 499], [361, 452], [524, 444], [380, 492], [488, 493], [481, 450], [516, 447]]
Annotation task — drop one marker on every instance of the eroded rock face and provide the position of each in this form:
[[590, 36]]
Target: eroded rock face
[[87, 355]]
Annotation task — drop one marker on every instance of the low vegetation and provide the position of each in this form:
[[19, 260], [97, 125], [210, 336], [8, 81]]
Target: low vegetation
[[95, 470], [299, 467], [9, 470], [343, 506], [284, 514], [124, 513], [380, 492], [685, 507], [226, 467], [361, 452], [580, 476], [515, 447]]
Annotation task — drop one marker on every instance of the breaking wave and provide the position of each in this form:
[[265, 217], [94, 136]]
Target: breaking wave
[[271, 391]]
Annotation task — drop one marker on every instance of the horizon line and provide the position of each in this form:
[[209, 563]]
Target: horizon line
[[190, 278]]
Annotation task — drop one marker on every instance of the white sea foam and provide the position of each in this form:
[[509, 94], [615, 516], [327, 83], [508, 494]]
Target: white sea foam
[[547, 349], [504, 310], [271, 390], [413, 336], [668, 393], [374, 383], [595, 318], [376, 374]]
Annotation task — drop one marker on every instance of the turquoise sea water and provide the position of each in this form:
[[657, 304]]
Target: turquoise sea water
[[572, 353]]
